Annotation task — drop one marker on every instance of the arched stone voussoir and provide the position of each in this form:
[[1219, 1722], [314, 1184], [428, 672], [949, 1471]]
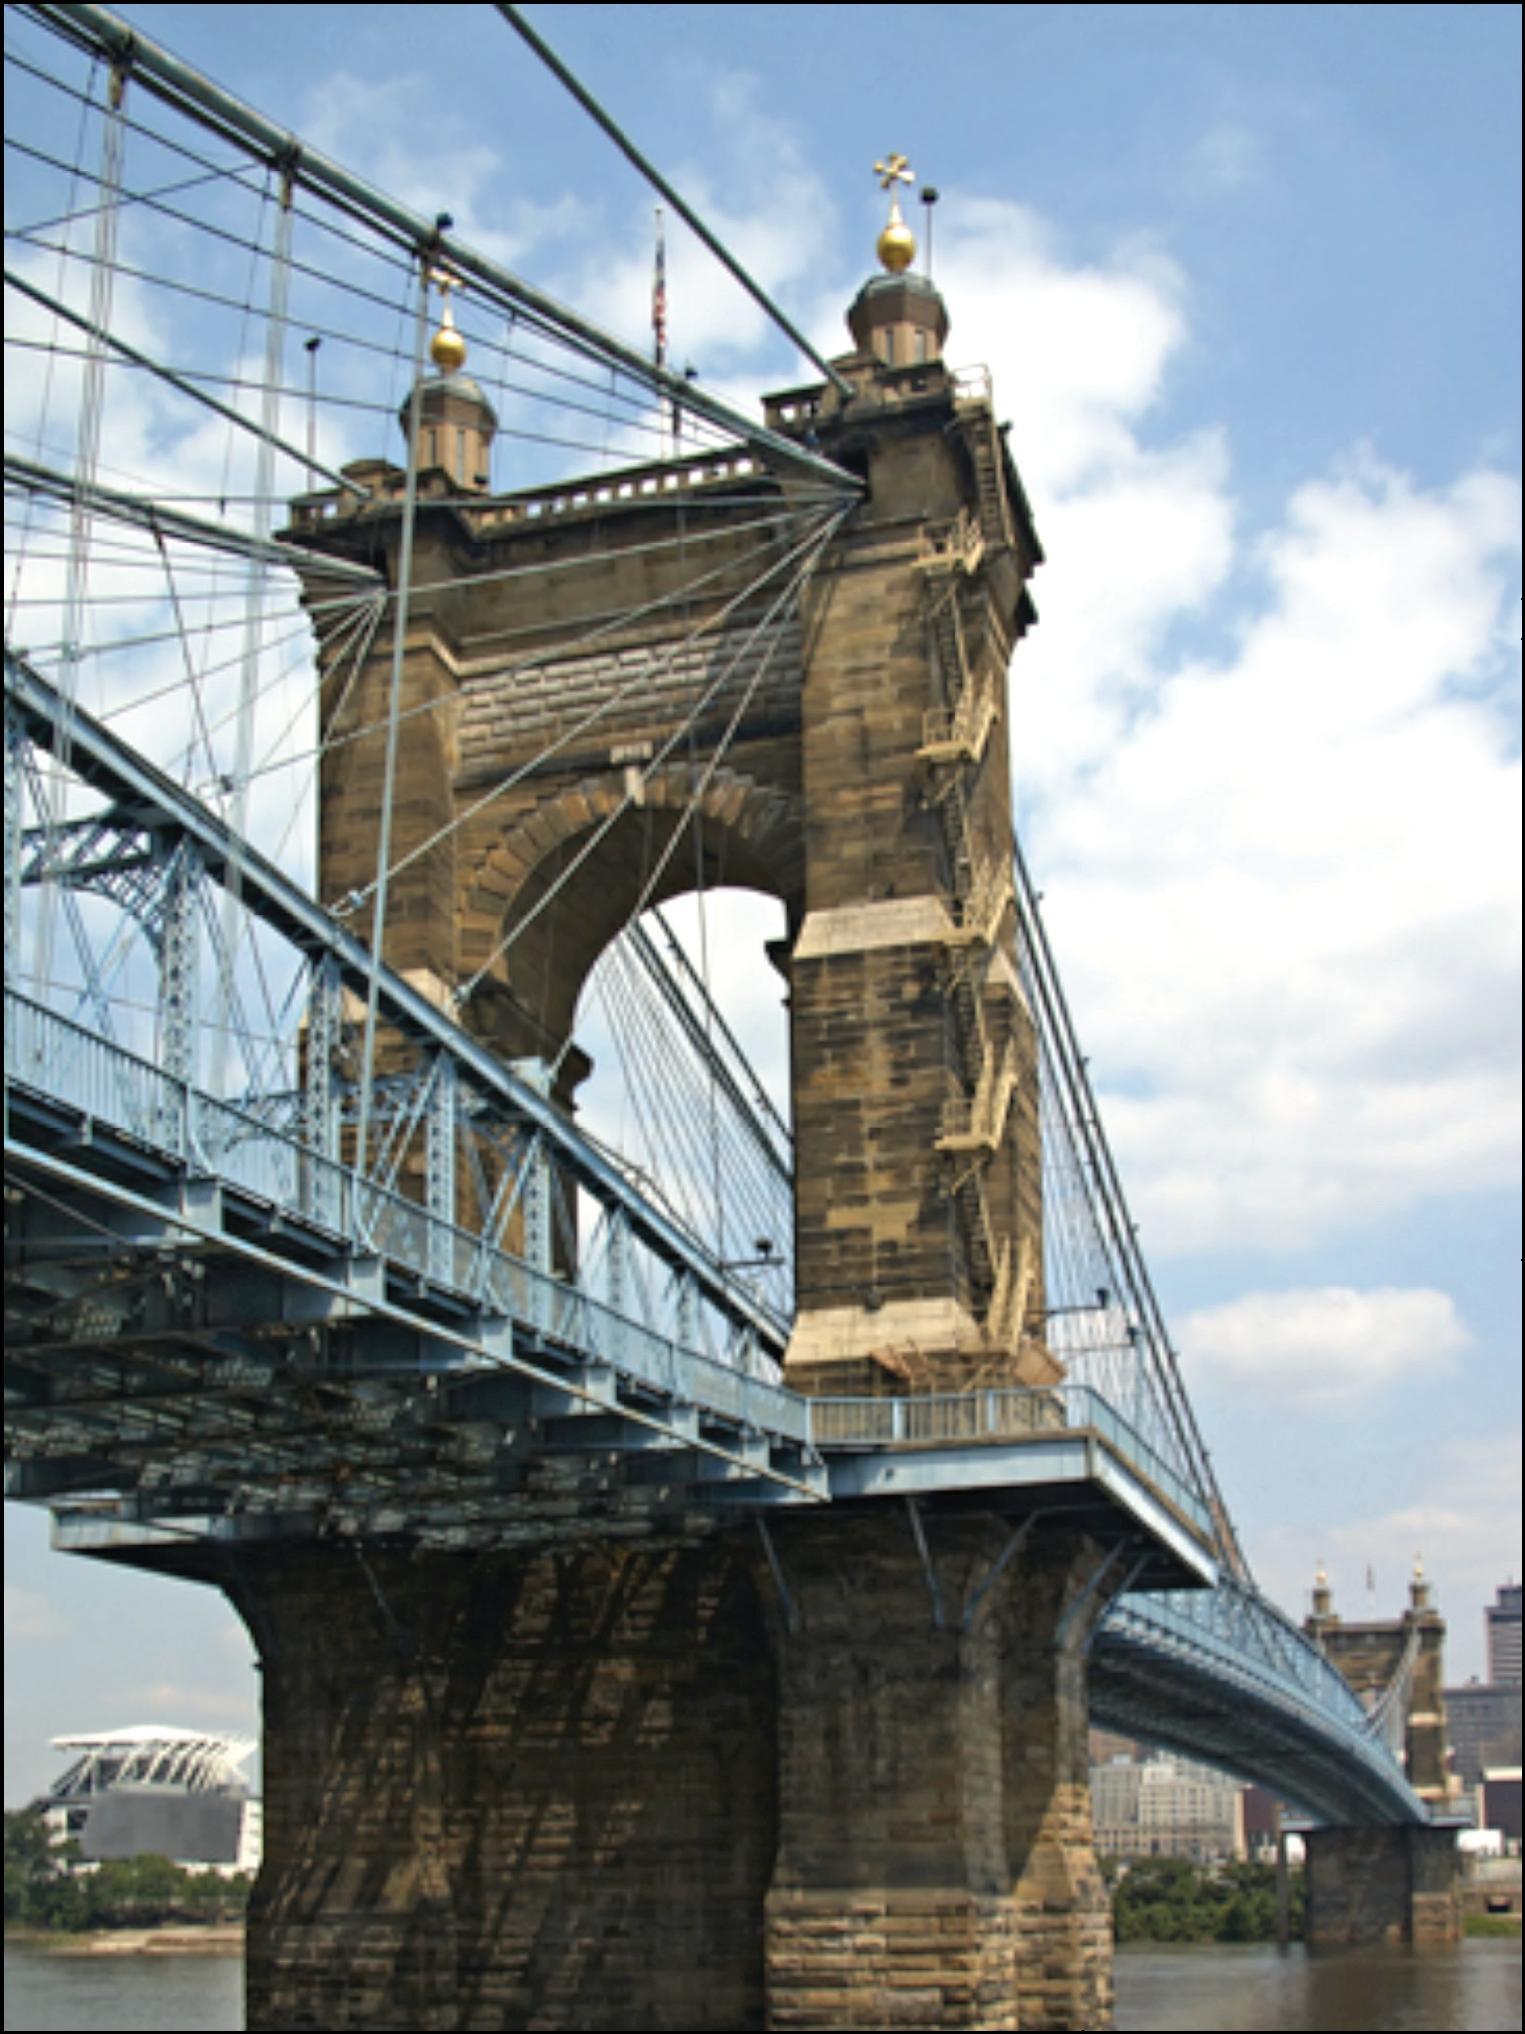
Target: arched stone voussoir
[[570, 875]]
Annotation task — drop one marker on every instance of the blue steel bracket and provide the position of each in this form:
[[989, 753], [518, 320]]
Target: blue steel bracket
[[1086, 1593], [996, 1569]]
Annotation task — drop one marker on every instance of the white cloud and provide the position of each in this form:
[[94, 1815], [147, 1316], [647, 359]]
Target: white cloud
[[1321, 1346], [1228, 158], [29, 1616], [1283, 879], [779, 229], [1078, 352], [374, 127], [1464, 1524], [1285, 891]]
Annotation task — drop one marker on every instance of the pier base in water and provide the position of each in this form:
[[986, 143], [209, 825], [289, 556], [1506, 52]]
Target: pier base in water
[[625, 1787], [1382, 1885]]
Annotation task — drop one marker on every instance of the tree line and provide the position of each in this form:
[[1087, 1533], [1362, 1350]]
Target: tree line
[[1170, 1899], [1154, 1899]]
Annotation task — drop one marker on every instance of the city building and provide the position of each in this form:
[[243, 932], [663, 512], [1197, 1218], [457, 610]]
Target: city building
[[1107, 1745], [1483, 1726], [1501, 1804], [1503, 1621], [180, 1794], [1166, 1807]]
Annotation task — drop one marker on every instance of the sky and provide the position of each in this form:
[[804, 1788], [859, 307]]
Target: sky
[[1247, 280]]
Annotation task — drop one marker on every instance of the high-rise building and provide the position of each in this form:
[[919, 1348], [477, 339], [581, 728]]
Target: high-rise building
[[1503, 1618], [1483, 1727], [1166, 1807]]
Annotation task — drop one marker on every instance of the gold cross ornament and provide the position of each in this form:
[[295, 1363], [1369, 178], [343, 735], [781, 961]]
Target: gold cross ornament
[[897, 243]]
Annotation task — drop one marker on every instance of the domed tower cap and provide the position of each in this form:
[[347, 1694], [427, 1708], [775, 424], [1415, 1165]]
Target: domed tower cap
[[456, 426], [901, 318]]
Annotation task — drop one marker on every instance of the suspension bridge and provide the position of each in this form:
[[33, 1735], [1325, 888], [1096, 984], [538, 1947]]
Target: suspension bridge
[[706, 1517]]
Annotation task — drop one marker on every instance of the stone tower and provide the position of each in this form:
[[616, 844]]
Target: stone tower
[[1369, 1654], [865, 784]]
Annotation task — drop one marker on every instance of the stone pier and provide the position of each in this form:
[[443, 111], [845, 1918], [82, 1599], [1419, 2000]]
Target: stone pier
[[650, 1788], [1382, 1885]]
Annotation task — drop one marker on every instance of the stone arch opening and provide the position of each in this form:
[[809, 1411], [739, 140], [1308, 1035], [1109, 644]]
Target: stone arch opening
[[558, 888], [697, 1100]]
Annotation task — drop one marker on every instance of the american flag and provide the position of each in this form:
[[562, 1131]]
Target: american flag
[[659, 298]]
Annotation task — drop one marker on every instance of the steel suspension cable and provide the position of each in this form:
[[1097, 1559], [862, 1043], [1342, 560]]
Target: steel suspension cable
[[515, 19], [1113, 1205], [621, 619]]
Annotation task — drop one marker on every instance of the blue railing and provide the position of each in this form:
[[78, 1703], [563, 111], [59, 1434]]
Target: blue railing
[[100, 1081]]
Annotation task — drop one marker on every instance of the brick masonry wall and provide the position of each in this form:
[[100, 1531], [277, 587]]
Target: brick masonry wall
[[935, 1865], [597, 635], [872, 1066], [1368, 1655]]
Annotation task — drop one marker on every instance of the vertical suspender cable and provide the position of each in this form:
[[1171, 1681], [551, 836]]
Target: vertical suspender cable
[[86, 460], [254, 628], [394, 697]]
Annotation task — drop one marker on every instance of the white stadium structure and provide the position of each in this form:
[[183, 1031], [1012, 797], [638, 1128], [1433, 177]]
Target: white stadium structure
[[181, 1794]]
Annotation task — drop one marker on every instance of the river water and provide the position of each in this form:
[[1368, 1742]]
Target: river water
[[1475, 1987]]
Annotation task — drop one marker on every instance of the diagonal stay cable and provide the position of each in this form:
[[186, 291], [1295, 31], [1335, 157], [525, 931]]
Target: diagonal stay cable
[[515, 19], [639, 678], [1113, 1206]]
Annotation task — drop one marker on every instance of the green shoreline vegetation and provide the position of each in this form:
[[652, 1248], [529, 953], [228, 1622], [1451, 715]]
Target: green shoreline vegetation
[[1481, 1927], [1170, 1899]]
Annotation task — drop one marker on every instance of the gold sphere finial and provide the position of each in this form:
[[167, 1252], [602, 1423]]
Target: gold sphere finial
[[896, 245], [447, 349]]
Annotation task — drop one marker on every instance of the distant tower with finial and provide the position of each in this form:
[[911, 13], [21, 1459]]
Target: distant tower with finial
[[898, 317], [456, 422], [1372, 1653], [1419, 1588]]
